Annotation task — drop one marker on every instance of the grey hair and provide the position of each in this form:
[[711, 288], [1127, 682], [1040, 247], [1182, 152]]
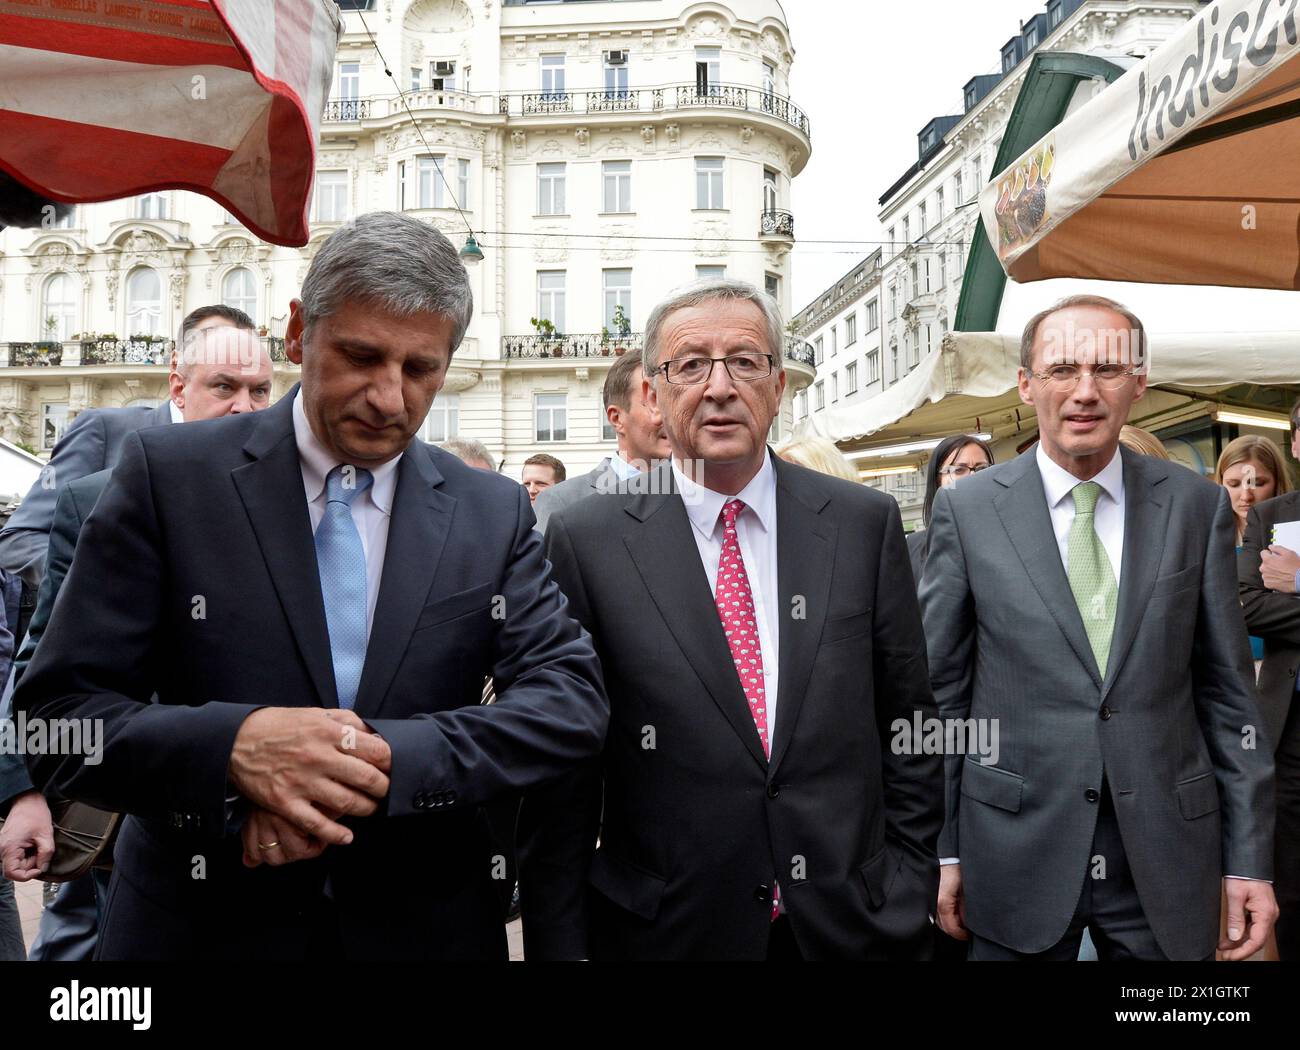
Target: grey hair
[[709, 290], [1030, 334], [469, 450], [221, 345], [393, 261]]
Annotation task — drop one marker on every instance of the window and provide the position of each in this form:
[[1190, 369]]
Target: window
[[553, 76], [68, 221], [1031, 38], [1009, 58], [462, 183], [907, 231], [415, 78], [819, 396], [443, 421], [893, 362], [1054, 13], [151, 206], [803, 404], [551, 417], [429, 190], [356, 5], [891, 247], [851, 329], [977, 173], [708, 182], [769, 78], [835, 387], [60, 306], [817, 351], [922, 225], [618, 292], [708, 70], [616, 75], [873, 365], [769, 190], [239, 290], [774, 431], [943, 269], [772, 285], [616, 177], [550, 189], [913, 350], [331, 196], [710, 273], [835, 340], [54, 421], [442, 75], [872, 313], [956, 188], [938, 205], [349, 82], [916, 282], [143, 302], [893, 302], [550, 297]]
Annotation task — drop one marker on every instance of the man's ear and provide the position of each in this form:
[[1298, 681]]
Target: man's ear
[[1026, 389], [293, 333]]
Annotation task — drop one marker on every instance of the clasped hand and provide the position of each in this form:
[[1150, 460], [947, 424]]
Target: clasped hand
[[303, 769]]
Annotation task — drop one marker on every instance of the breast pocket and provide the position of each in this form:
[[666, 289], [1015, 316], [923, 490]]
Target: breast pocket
[[481, 599]]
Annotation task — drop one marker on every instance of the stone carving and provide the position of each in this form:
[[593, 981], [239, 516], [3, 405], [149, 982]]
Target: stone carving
[[583, 137], [746, 135], [712, 237], [648, 135], [178, 288], [111, 280], [674, 133], [520, 142]]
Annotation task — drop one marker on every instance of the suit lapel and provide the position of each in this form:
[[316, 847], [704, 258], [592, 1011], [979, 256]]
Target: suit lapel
[[160, 415], [1022, 506], [664, 552], [276, 503], [1146, 521], [805, 560], [417, 533]]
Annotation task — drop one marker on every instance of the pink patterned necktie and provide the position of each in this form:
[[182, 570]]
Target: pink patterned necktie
[[735, 603]]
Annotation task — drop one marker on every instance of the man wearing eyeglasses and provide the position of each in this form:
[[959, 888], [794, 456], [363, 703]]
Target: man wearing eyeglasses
[[760, 635], [1083, 600]]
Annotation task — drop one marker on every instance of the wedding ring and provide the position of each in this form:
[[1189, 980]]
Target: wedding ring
[[268, 845]]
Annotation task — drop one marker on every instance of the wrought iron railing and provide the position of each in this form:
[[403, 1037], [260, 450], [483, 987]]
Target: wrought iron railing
[[583, 345], [126, 352], [800, 351], [23, 355], [345, 109], [776, 224]]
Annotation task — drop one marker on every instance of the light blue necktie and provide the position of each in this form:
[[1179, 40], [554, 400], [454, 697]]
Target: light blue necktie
[[341, 561]]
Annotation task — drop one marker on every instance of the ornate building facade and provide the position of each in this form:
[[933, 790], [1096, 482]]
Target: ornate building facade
[[602, 152]]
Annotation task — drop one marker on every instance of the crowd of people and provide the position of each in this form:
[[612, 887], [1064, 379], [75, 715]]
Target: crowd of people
[[705, 701]]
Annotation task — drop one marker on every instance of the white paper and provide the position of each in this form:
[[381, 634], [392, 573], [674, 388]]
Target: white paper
[[1287, 534]]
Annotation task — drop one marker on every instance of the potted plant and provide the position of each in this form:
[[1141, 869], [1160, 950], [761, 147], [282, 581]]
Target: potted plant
[[546, 330], [261, 330], [604, 342], [621, 321]]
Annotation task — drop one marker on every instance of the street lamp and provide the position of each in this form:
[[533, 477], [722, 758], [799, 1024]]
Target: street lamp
[[471, 253]]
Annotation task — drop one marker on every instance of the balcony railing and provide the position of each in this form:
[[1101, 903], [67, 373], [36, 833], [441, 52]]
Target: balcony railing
[[25, 355], [776, 224], [578, 103], [147, 352], [584, 345], [127, 352], [801, 352]]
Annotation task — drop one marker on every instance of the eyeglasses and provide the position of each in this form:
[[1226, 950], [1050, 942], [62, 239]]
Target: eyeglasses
[[960, 470], [692, 371], [1066, 377]]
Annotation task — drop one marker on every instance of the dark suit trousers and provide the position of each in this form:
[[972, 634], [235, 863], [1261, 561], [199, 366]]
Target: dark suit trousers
[[1108, 908], [1286, 860]]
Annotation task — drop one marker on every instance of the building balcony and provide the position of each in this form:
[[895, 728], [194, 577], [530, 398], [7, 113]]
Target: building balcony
[[586, 345], [128, 353], [776, 226]]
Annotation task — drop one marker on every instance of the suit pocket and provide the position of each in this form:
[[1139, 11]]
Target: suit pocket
[[1182, 580], [1198, 796], [842, 627], [628, 886], [476, 599], [993, 786], [874, 872]]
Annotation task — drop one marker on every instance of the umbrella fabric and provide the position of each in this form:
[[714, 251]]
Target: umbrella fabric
[[101, 99], [1184, 171]]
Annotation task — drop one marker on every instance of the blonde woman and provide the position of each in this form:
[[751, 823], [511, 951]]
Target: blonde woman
[[1143, 442], [819, 454]]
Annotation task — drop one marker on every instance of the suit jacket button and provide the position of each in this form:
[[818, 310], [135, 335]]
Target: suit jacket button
[[1105, 712], [763, 895], [418, 801], [450, 796], [773, 791], [1091, 795]]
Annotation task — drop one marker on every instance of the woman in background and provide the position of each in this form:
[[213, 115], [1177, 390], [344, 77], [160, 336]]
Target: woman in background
[[954, 458], [1143, 442]]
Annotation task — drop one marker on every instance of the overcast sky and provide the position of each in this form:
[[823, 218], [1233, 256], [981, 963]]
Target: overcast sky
[[870, 75]]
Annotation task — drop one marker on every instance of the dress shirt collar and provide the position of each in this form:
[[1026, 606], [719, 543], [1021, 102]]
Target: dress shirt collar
[[622, 467], [704, 506], [1059, 482], [177, 416], [317, 461]]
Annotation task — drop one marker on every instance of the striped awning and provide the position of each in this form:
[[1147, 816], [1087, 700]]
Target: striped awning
[[102, 99]]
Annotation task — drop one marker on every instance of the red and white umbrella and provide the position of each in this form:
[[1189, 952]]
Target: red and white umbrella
[[101, 99]]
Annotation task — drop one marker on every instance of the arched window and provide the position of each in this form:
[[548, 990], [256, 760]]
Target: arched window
[[58, 308], [143, 302], [239, 290]]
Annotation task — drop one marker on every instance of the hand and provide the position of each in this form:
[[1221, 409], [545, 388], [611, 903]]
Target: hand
[[1277, 567], [1252, 910], [950, 912], [303, 763], [287, 844], [27, 838]]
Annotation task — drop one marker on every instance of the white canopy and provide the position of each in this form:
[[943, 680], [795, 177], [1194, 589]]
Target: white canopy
[[1184, 171]]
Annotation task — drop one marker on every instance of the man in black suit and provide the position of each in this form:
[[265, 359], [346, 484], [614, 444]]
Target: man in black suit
[[315, 597], [1268, 577], [760, 635]]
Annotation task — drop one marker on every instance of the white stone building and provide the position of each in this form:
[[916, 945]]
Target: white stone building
[[603, 153]]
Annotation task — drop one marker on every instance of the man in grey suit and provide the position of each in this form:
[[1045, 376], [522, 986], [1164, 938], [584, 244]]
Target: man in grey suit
[[207, 380], [1081, 602], [642, 442]]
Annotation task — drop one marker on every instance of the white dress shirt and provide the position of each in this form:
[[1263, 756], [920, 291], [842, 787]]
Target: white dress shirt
[[756, 533], [1108, 517], [371, 510], [177, 416], [622, 467]]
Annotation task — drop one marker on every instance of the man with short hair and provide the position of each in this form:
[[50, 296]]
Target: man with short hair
[[471, 451], [541, 471], [642, 442], [314, 597], [1268, 578], [1081, 600], [759, 635]]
